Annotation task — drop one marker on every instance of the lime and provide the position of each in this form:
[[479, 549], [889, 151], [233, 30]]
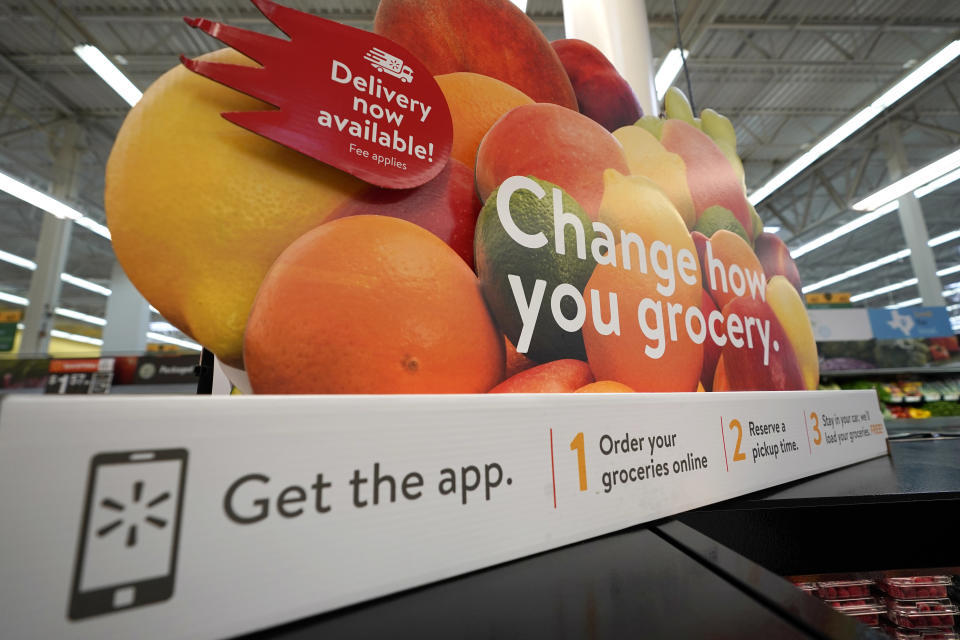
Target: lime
[[715, 218], [498, 255]]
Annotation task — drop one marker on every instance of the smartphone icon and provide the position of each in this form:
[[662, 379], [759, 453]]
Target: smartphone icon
[[127, 550]]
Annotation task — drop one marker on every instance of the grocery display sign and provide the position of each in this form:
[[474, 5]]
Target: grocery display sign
[[567, 243], [913, 322], [210, 517], [346, 97]]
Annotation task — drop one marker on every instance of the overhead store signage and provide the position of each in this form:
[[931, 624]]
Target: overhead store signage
[[353, 99], [211, 517], [837, 325], [912, 322], [828, 299]]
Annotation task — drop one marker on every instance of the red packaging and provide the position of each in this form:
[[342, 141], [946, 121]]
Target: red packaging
[[916, 587], [918, 634], [809, 587], [866, 610], [844, 589], [918, 614]]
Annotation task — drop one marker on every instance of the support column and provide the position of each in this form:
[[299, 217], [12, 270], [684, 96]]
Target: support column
[[53, 247], [619, 29], [912, 222], [128, 316]]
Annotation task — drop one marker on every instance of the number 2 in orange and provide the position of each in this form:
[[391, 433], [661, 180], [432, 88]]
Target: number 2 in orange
[[577, 445], [816, 427], [737, 454]]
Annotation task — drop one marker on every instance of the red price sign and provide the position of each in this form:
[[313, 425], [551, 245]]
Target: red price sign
[[352, 99]]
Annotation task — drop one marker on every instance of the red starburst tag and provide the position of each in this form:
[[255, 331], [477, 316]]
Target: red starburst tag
[[353, 99]]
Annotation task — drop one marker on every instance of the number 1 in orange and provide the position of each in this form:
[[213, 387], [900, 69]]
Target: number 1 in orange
[[577, 445]]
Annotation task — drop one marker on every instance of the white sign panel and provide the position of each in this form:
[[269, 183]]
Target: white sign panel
[[836, 325], [206, 517]]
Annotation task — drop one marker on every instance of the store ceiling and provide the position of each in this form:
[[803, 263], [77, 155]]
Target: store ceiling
[[785, 72]]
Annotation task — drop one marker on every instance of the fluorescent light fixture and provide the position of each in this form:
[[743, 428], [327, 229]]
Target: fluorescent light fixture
[[66, 277], [161, 326], [912, 182], [906, 303], [901, 285], [85, 284], [939, 183], [49, 204], [521, 4], [772, 229], [108, 72], [668, 71], [843, 230], [879, 262], [867, 218], [869, 266], [882, 290], [902, 87], [18, 261], [159, 337], [83, 317], [9, 297], [76, 337]]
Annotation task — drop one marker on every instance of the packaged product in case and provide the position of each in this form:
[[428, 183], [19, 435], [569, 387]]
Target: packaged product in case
[[809, 587], [844, 589], [899, 633], [918, 614], [866, 610], [915, 587]]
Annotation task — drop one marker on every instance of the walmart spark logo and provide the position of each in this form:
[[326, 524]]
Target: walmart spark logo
[[133, 514]]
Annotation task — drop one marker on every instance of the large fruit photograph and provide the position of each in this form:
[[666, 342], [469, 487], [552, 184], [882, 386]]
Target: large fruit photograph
[[568, 243]]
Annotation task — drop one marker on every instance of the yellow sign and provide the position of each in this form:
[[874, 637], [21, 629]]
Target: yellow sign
[[161, 347], [828, 298], [11, 315]]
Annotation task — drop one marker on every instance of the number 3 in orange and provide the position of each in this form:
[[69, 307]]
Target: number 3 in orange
[[577, 445], [816, 427], [737, 454]]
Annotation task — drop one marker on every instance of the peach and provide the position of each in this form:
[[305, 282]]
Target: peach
[[516, 361], [648, 158], [744, 368], [792, 314], [559, 376], [602, 93], [711, 350], [775, 258], [492, 37], [446, 206], [605, 386], [730, 269], [553, 144], [711, 178]]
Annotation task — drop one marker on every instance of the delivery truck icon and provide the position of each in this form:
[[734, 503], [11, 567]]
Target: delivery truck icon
[[386, 63]]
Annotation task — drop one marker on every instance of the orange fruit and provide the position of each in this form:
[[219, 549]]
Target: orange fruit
[[635, 205], [738, 264], [371, 304], [720, 381], [516, 361], [604, 386], [476, 101], [559, 376], [199, 208]]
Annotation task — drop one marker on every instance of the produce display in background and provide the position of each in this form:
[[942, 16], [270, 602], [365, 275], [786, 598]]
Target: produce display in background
[[567, 245], [914, 399], [886, 354]]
